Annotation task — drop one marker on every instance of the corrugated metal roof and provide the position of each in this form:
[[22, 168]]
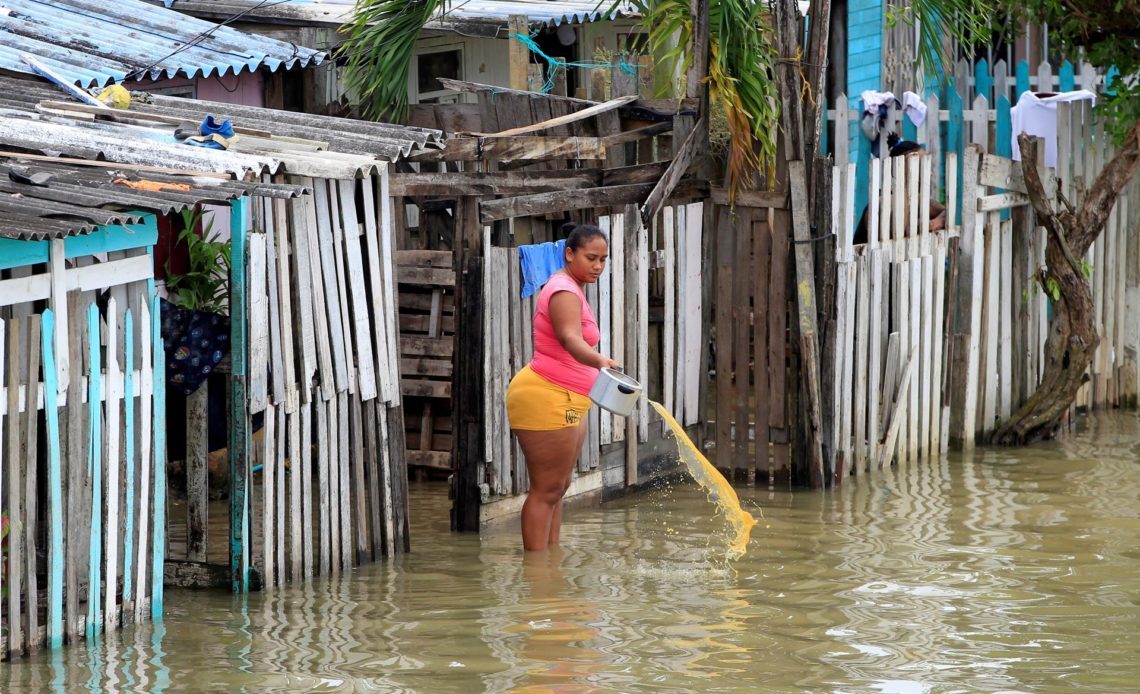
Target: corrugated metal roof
[[336, 12], [301, 144], [78, 199], [96, 42]]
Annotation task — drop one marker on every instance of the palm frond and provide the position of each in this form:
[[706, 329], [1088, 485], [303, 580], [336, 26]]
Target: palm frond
[[378, 48]]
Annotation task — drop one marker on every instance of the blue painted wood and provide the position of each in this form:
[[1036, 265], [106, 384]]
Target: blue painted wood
[[129, 452], [862, 170], [1110, 78], [954, 137], [1022, 77], [1065, 80], [983, 81], [1003, 134], [18, 253], [238, 419], [55, 485], [95, 474], [159, 553], [113, 238], [910, 132]]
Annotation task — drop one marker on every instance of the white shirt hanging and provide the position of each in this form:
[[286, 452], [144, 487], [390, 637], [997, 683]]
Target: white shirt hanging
[[1037, 115]]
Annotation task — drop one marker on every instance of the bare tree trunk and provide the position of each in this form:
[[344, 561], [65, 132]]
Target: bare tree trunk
[[1072, 338]]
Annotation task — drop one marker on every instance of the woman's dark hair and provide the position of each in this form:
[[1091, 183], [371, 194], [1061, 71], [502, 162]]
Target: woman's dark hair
[[901, 147], [578, 235]]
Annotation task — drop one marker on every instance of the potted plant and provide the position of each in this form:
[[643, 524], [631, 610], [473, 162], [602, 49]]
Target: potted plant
[[195, 320]]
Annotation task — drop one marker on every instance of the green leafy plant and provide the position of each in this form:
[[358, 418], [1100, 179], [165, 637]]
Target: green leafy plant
[[741, 78], [378, 48], [205, 285]]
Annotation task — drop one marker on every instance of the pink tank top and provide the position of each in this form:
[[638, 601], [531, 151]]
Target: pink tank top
[[551, 360]]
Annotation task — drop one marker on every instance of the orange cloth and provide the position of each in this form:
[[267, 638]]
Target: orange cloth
[[152, 186]]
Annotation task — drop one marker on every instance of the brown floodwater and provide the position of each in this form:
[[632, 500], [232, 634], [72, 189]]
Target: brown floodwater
[[1002, 571]]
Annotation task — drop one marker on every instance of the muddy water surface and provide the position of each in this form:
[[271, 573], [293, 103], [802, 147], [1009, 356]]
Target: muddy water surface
[[1010, 571]]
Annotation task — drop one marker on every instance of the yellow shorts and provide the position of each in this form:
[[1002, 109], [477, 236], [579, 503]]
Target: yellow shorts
[[536, 404]]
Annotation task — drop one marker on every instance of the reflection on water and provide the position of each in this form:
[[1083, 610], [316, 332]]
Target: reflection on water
[[1013, 571]]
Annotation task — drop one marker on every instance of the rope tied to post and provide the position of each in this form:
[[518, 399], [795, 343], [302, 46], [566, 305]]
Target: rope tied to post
[[557, 64]]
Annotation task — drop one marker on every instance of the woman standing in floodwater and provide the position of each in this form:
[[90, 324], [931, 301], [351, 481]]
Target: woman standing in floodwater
[[548, 399]]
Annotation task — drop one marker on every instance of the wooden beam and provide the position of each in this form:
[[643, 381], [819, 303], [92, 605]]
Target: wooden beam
[[476, 87], [518, 52], [530, 148], [544, 203], [775, 199], [672, 177], [454, 183], [809, 337], [585, 113]]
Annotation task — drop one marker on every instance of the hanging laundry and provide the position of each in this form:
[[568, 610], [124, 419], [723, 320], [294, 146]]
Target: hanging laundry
[[539, 261], [914, 109], [878, 109], [1036, 114]]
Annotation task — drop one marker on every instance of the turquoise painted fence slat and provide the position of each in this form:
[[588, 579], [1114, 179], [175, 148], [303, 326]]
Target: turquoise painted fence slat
[[983, 81], [1110, 77], [129, 452], [95, 474], [1065, 78], [113, 238], [159, 410], [1003, 133], [239, 421], [910, 132], [954, 137], [1022, 77], [862, 168], [55, 485]]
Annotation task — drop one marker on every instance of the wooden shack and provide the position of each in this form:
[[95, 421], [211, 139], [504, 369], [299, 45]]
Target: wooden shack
[[517, 165], [82, 417]]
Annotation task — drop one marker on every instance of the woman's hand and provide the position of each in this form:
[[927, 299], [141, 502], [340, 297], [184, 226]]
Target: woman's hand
[[605, 362]]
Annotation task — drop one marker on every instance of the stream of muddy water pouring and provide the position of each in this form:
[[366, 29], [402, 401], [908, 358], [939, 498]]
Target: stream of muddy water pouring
[[714, 483]]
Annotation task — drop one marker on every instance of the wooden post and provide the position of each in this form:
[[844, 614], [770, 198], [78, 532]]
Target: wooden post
[[809, 339], [238, 419], [197, 483], [468, 415], [518, 52]]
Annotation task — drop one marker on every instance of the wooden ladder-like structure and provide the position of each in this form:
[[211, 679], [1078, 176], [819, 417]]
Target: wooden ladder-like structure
[[427, 343]]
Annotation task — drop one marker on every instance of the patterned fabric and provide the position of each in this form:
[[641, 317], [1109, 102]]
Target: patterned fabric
[[195, 342]]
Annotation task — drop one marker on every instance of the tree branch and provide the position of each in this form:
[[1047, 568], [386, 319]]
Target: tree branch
[[1040, 200], [1101, 197]]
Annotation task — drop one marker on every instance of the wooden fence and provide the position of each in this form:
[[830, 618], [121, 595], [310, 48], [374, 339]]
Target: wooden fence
[[314, 353], [889, 401], [82, 424], [663, 265]]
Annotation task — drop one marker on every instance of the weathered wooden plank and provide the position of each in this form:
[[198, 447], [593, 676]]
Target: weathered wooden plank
[[424, 276], [516, 148], [439, 347], [269, 496], [192, 574], [809, 345], [279, 394], [14, 476], [258, 325], [560, 201], [343, 464], [970, 279], [302, 285], [239, 430], [360, 316], [937, 346], [642, 293], [306, 469], [386, 387], [725, 269], [739, 338], [668, 183], [297, 464], [75, 466], [389, 219], [424, 258], [324, 490], [146, 448], [31, 492], [410, 323], [359, 490], [114, 393], [284, 244], [618, 294], [95, 457], [1005, 319], [695, 370], [56, 521], [281, 448], [328, 302]]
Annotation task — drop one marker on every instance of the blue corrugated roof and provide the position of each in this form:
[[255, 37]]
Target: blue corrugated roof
[[96, 42]]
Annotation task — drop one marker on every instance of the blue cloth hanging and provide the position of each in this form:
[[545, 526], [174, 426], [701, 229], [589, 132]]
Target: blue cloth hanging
[[539, 261]]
